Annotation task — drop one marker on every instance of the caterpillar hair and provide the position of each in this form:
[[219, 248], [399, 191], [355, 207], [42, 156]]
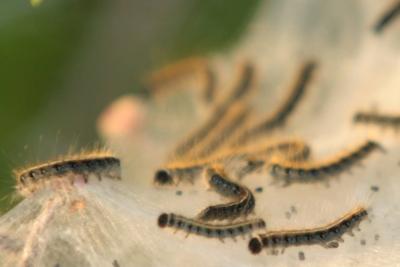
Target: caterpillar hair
[[321, 235]]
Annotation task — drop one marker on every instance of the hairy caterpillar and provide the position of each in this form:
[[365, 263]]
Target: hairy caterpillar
[[209, 230], [308, 172], [244, 204], [322, 235], [97, 163]]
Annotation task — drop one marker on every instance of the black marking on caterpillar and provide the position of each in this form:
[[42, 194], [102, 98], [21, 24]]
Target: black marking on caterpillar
[[189, 170], [97, 163], [382, 120], [244, 204], [283, 112], [219, 112], [324, 236], [209, 230], [387, 18], [115, 263], [310, 172]]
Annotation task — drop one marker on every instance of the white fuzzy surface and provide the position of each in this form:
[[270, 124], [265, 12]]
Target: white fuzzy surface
[[356, 70]]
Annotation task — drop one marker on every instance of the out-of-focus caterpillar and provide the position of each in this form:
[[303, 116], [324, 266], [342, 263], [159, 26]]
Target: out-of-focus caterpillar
[[99, 163], [244, 204], [383, 120], [190, 67], [209, 230], [325, 236], [236, 116], [309, 172], [388, 17], [280, 116], [246, 160], [220, 110]]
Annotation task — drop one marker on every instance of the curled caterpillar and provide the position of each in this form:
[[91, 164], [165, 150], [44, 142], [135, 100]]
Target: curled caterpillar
[[209, 230], [222, 185], [244, 160], [321, 235], [244, 204], [280, 116], [309, 172], [238, 93], [377, 119], [387, 18], [97, 163]]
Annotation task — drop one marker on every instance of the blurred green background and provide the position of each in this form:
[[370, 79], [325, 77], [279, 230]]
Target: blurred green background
[[63, 61]]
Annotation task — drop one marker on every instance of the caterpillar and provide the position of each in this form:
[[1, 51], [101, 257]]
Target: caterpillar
[[243, 206], [239, 92], [253, 156], [387, 18], [175, 71], [209, 230], [98, 163], [324, 236], [280, 116], [234, 119], [378, 119], [308, 172]]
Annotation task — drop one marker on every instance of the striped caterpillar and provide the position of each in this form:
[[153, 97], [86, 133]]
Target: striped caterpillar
[[232, 122], [280, 116], [238, 93], [98, 163], [243, 206], [209, 230], [309, 172], [387, 18], [245, 160], [377, 119], [324, 236]]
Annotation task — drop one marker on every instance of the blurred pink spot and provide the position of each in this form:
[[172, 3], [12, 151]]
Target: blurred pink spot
[[123, 118]]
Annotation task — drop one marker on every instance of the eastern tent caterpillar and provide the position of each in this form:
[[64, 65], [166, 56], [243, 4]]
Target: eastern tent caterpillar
[[219, 112], [314, 171], [387, 18], [280, 116], [377, 119], [99, 163], [320, 235], [244, 204], [209, 230]]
